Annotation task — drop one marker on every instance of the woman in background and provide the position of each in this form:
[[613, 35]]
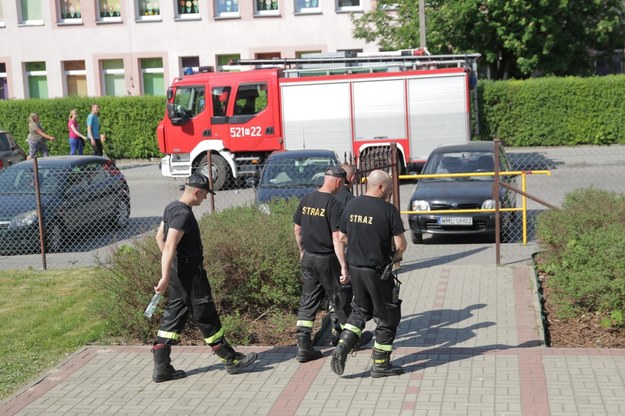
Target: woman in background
[[76, 139], [36, 137]]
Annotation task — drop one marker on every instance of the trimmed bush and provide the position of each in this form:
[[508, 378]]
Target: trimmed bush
[[252, 262], [128, 122], [584, 245], [553, 111]]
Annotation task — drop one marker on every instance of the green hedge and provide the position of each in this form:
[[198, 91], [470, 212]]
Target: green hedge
[[128, 122], [534, 112], [553, 111]]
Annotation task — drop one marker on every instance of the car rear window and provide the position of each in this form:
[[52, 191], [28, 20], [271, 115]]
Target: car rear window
[[4, 143]]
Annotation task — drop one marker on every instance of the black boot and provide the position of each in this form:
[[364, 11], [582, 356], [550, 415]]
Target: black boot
[[346, 343], [382, 365], [364, 339], [233, 360], [305, 350], [163, 370]]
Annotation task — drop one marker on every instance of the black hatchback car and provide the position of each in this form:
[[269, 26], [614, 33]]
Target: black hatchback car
[[81, 196], [460, 193]]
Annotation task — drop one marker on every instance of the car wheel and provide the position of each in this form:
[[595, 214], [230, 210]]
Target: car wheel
[[122, 213], [55, 237], [220, 171], [417, 238]]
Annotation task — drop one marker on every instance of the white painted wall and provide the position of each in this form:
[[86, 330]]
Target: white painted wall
[[169, 38]]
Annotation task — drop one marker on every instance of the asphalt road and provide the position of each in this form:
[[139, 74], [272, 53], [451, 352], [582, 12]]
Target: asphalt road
[[571, 168]]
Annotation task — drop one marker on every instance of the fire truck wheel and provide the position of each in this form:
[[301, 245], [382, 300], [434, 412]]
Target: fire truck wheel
[[220, 171]]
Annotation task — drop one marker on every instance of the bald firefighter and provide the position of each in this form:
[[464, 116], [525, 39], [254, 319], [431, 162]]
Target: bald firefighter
[[371, 226]]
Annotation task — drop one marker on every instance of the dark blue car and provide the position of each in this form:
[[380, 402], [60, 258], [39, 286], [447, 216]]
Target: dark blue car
[[292, 174], [81, 196]]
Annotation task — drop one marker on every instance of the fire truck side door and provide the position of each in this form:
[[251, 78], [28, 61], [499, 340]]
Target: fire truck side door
[[244, 120], [185, 111]]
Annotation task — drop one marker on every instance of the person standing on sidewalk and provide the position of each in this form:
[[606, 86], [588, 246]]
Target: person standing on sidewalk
[[76, 138], [37, 137], [344, 195], [371, 226], [178, 238], [322, 256], [93, 130]]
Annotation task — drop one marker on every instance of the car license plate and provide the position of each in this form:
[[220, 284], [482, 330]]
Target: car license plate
[[455, 220]]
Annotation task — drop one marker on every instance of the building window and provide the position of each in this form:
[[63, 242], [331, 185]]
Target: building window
[[224, 63], [148, 10], [348, 5], [267, 55], [30, 12], [152, 74], [37, 79], [4, 90], [113, 77], [188, 8], [189, 64], [307, 6], [227, 8], [69, 11], [1, 16], [75, 78], [110, 10], [266, 8], [302, 54]]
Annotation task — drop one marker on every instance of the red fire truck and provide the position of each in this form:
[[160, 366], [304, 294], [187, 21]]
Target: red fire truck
[[347, 104]]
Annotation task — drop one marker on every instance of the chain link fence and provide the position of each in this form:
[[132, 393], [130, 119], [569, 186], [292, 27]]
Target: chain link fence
[[87, 209]]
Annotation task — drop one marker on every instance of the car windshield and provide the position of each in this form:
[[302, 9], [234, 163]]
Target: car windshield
[[296, 171], [22, 180], [460, 162]]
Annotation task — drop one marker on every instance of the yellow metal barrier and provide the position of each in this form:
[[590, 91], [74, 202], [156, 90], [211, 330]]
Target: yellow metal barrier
[[522, 173]]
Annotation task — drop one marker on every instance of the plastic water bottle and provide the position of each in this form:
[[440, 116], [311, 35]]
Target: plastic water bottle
[[149, 311]]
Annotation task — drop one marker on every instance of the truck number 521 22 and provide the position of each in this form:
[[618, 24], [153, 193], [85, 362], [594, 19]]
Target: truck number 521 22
[[245, 131]]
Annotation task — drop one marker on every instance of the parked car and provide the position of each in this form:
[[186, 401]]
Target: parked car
[[459, 193], [10, 152], [292, 174], [81, 196]]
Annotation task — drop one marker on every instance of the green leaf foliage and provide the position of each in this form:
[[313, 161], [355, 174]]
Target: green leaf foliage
[[517, 39], [584, 245], [553, 111], [252, 263], [128, 122]]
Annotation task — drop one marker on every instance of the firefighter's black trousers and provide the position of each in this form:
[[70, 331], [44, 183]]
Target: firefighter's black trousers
[[321, 275], [189, 294], [373, 298]]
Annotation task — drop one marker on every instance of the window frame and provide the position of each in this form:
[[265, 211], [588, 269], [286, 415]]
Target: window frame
[[68, 20], [299, 10], [350, 8], [139, 17], [151, 70], [108, 19], [226, 14], [29, 74], [28, 22], [187, 16], [111, 71], [271, 12]]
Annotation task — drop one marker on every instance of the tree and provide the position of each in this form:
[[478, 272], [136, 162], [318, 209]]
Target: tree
[[516, 38]]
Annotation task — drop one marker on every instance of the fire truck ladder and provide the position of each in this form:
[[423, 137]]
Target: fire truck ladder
[[322, 64]]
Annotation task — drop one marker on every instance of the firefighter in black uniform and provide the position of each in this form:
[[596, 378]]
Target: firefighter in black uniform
[[343, 195], [371, 226], [322, 256], [178, 238]]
